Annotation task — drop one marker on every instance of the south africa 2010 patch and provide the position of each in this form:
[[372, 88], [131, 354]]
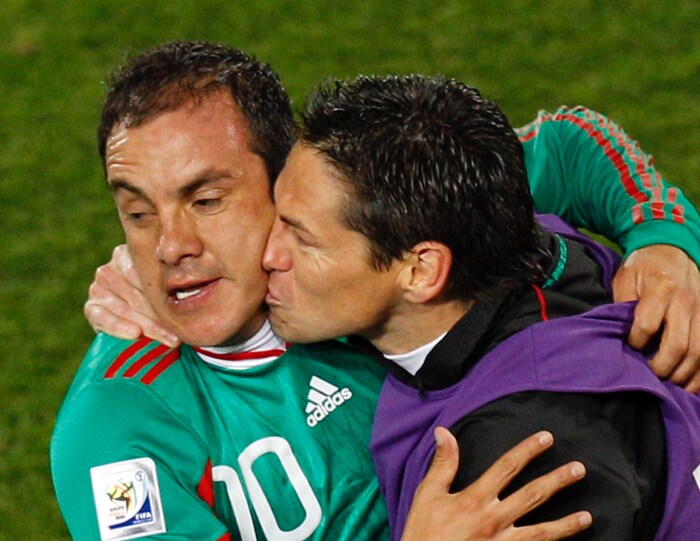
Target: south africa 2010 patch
[[127, 499]]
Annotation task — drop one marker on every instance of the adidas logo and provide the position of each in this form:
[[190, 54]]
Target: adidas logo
[[324, 398]]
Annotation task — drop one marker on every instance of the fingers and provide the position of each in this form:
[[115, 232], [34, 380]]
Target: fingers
[[102, 320], [687, 372], [121, 257], [624, 284], [538, 491], [667, 283], [498, 476], [116, 305], [693, 384], [678, 356], [445, 462], [117, 318], [111, 284], [476, 513], [557, 529], [632, 283], [648, 317]]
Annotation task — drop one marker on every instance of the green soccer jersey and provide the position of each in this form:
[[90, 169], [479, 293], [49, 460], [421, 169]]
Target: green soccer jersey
[[275, 452]]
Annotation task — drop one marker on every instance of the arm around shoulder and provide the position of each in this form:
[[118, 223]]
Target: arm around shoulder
[[585, 168]]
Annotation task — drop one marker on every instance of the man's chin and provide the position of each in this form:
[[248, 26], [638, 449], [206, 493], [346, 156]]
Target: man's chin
[[290, 333], [204, 337]]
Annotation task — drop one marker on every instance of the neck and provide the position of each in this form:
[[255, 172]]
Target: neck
[[249, 329], [416, 325], [263, 339], [262, 348]]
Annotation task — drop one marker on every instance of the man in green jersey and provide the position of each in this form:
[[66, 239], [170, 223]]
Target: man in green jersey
[[272, 442]]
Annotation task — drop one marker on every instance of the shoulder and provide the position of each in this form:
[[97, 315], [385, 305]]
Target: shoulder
[[141, 362], [113, 413], [134, 406], [619, 437], [564, 117], [121, 388]]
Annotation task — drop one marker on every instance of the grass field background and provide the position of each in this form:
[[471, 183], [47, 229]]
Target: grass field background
[[636, 61]]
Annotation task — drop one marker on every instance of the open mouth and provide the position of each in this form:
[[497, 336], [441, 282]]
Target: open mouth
[[179, 294]]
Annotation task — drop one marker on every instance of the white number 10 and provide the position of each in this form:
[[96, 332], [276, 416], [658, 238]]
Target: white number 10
[[234, 488]]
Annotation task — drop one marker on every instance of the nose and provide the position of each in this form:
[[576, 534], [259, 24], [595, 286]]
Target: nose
[[277, 256], [179, 239]]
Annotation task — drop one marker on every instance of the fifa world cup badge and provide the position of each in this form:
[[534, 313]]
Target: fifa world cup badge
[[127, 499]]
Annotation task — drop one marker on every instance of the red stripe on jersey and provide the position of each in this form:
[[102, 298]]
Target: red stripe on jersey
[[646, 179], [531, 130], [637, 214], [527, 136], [650, 181], [542, 301], [677, 211], [241, 356], [640, 169], [126, 355], [146, 359], [657, 210], [161, 366], [205, 489], [618, 162]]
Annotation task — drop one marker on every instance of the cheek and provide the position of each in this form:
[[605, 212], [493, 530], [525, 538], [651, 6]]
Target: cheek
[[246, 230], [143, 254], [245, 250], [237, 231], [331, 287]]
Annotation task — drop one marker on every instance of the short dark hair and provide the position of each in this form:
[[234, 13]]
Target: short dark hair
[[165, 77], [430, 159]]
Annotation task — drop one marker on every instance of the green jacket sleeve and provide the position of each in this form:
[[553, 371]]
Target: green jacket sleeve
[[103, 435], [585, 168]]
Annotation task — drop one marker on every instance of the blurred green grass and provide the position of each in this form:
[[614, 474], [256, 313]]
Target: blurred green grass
[[638, 62]]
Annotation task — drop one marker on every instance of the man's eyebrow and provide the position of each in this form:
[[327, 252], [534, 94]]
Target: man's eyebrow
[[202, 178], [296, 224], [118, 184]]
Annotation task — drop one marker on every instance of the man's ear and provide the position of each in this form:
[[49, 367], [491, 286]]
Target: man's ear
[[426, 271]]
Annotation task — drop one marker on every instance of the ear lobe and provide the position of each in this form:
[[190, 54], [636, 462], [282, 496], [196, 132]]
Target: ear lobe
[[427, 271]]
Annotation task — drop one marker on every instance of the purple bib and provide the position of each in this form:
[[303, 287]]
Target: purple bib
[[540, 358]]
